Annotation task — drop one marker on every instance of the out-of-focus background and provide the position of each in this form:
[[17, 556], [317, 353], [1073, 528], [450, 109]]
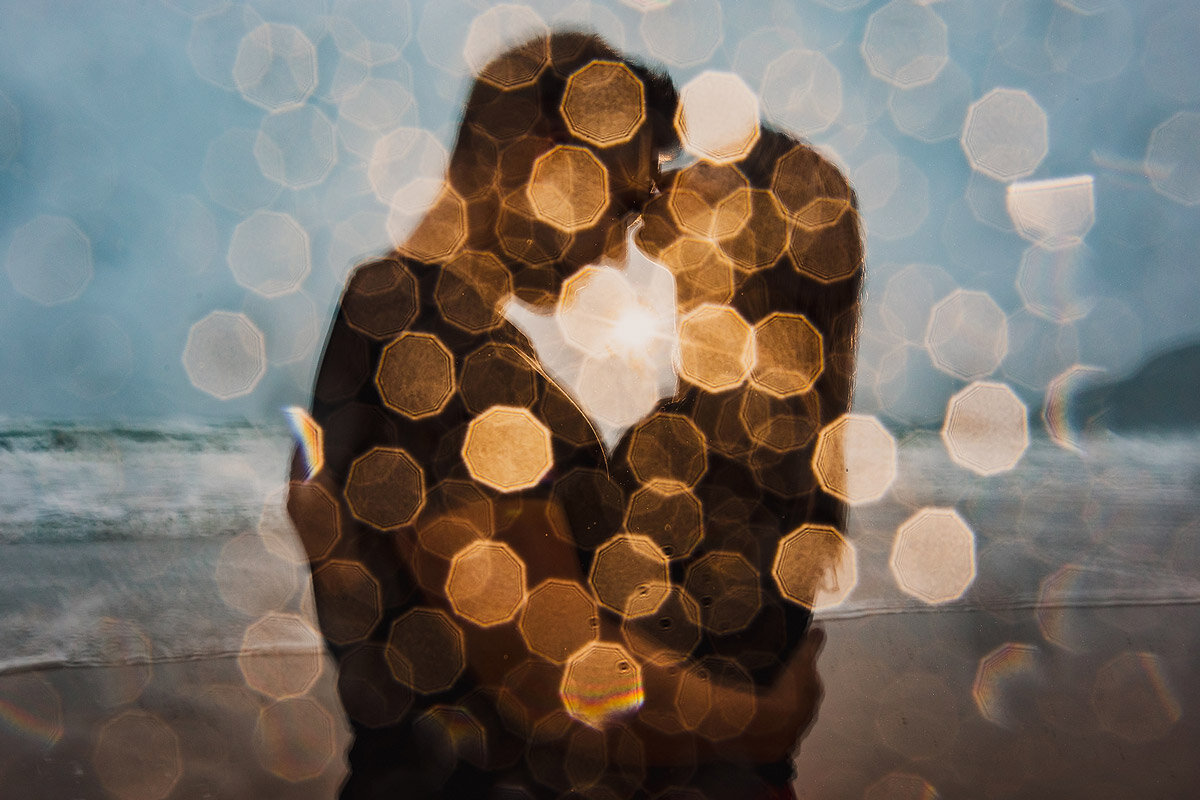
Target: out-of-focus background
[[186, 183], [164, 161]]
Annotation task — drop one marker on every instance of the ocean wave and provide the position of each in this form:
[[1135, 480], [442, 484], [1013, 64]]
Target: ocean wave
[[75, 483], [130, 523]]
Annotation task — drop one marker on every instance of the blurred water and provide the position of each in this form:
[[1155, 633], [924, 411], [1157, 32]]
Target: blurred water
[[180, 532], [1066, 666]]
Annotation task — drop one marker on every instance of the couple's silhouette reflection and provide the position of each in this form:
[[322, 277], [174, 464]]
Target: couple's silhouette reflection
[[566, 423]]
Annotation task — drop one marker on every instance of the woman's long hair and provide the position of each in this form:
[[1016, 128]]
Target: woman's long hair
[[513, 116]]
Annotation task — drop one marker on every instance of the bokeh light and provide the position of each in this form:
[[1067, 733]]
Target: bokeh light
[[456, 730], [1170, 160], [933, 555], [801, 90], [702, 705], [406, 160], [486, 585], [225, 355], [380, 299], [716, 348], [933, 111], [604, 103], [497, 375], [1054, 213], [806, 563], [629, 574], [1051, 282], [269, 253], [470, 290], [1004, 135], [668, 513], [967, 334], [667, 635], [507, 448], [137, 757], [901, 786], [905, 43], [320, 518], [568, 188], [349, 602], [276, 66], [558, 619], [426, 650], [669, 447], [601, 683], [726, 586], [371, 109], [493, 31], [718, 117], [310, 439], [416, 374], [49, 260], [385, 487], [1056, 411], [294, 738], [999, 675], [710, 201], [31, 708], [788, 354], [238, 583], [681, 34], [986, 428], [855, 458], [274, 674], [296, 148]]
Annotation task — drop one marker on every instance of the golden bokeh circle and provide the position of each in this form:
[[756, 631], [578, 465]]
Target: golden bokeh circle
[[568, 188], [805, 562], [416, 375], [507, 448], [604, 103], [486, 584], [788, 354], [629, 573], [385, 488], [855, 459], [559, 617], [716, 348]]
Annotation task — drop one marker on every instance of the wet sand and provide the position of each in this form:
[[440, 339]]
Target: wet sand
[[977, 704], [907, 712], [1066, 670], [190, 729]]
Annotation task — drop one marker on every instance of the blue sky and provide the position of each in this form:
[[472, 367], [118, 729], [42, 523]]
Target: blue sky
[[127, 165]]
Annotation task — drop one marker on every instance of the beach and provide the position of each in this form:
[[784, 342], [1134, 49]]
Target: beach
[[158, 636]]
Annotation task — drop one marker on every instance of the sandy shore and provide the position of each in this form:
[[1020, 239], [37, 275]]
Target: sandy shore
[[1067, 670], [191, 729], [979, 704], [909, 712]]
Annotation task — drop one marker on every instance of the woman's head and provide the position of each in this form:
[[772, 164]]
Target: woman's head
[[559, 142]]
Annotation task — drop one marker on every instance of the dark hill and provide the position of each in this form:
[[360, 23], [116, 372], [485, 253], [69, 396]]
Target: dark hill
[[1163, 395]]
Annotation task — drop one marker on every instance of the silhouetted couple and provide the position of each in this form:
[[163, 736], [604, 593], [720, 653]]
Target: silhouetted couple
[[557, 466]]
